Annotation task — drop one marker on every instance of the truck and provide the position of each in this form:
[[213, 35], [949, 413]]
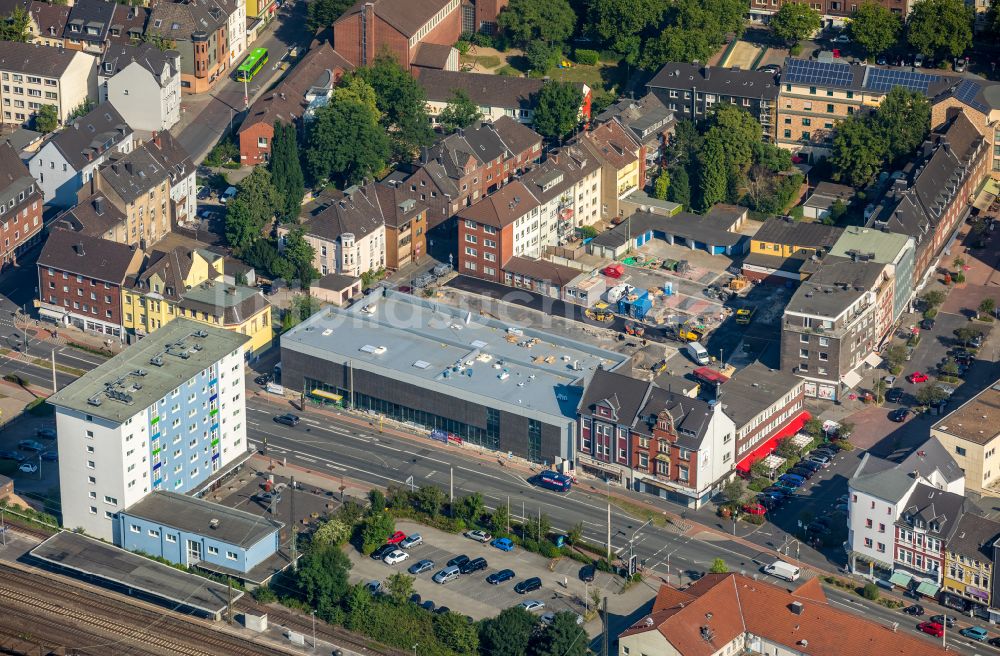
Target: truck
[[744, 316], [697, 352]]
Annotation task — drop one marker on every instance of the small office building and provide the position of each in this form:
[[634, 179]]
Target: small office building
[[507, 388]]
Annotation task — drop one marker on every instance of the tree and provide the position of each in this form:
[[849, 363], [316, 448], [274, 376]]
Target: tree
[[575, 534], [987, 307], [321, 579], [345, 142], [541, 55], [331, 532], [157, 40], [429, 499], [376, 500], [837, 211], [735, 491], [469, 508], [47, 119], [621, 23], [456, 633], [858, 153], [931, 395], [507, 634], [966, 334], [296, 263], [500, 520], [557, 109], [563, 637], [661, 188], [525, 21], [678, 44], [460, 112], [870, 592], [795, 21], [250, 210], [949, 367], [940, 28], [400, 587], [322, 13], [692, 29], [719, 566], [680, 188], [875, 28], [903, 120], [933, 298], [286, 171], [895, 355], [713, 179], [375, 530], [402, 103], [537, 528], [83, 108], [17, 26]]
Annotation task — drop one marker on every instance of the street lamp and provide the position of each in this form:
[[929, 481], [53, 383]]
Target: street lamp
[[415, 645], [314, 630]]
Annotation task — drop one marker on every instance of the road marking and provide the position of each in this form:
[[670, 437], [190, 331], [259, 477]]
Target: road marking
[[306, 458], [337, 467]]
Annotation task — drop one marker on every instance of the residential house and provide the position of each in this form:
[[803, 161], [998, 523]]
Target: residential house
[[401, 27], [236, 10], [20, 207], [138, 185], [780, 248], [464, 167], [969, 564], [80, 280], [971, 434], [346, 231], [172, 156], [823, 199], [879, 491], [651, 439], [335, 288], [405, 227], [68, 159], [237, 308], [648, 121], [199, 30], [834, 12], [979, 100], [143, 83], [623, 164], [503, 225], [34, 75], [931, 203], [129, 25], [308, 85], [898, 250], [48, 23], [722, 614], [568, 187], [835, 322], [816, 95], [690, 90], [928, 521], [89, 25], [496, 96]]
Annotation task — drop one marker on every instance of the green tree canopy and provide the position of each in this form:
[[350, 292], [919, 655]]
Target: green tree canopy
[[904, 119], [402, 103], [719, 566], [713, 179], [400, 587], [563, 637], [541, 56], [661, 187], [321, 579], [507, 634], [17, 26], [557, 109], [940, 28], [693, 29], [297, 258], [620, 23], [470, 507], [524, 21], [346, 142], [47, 119], [875, 28], [859, 151], [286, 171], [375, 530], [251, 209], [460, 112], [321, 13], [456, 633], [795, 21], [680, 187]]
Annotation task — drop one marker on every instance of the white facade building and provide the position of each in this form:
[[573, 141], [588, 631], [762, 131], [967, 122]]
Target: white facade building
[[144, 85], [237, 30], [568, 187], [152, 418], [35, 75]]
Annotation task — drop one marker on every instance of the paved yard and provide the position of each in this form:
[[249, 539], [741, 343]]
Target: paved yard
[[742, 55]]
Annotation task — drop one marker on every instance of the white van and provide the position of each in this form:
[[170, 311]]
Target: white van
[[697, 352], [783, 570]]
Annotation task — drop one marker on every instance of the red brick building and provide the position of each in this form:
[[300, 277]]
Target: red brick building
[[489, 230], [20, 206], [399, 26], [834, 12], [80, 280], [313, 77]]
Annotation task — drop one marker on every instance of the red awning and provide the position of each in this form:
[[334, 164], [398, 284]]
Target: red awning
[[765, 449], [710, 375]]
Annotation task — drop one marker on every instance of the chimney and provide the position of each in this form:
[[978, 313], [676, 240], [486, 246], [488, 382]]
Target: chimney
[[99, 205], [156, 139], [424, 154], [796, 607], [706, 71]]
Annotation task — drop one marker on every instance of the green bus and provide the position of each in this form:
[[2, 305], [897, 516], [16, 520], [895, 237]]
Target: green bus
[[251, 65]]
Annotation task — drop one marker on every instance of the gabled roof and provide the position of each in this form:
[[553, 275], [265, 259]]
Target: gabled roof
[[117, 57], [235, 303], [356, 211], [129, 25], [91, 135], [931, 460], [974, 537], [939, 511], [503, 207], [94, 216], [171, 155], [612, 144], [15, 178], [406, 16], [396, 207], [482, 89], [134, 174], [49, 18], [170, 267], [88, 16], [625, 395], [560, 171], [779, 230], [178, 21], [691, 417], [87, 256], [882, 479], [646, 118], [34, 59]]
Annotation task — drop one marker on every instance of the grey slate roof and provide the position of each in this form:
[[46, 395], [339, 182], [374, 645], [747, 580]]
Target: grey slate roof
[[778, 230], [932, 457], [932, 506], [90, 20], [154, 60], [691, 416], [715, 79], [179, 20], [90, 135], [625, 395], [974, 537], [15, 178], [355, 211], [646, 118], [169, 152], [91, 257], [560, 171], [882, 479], [32, 59], [484, 90], [134, 174], [185, 513]]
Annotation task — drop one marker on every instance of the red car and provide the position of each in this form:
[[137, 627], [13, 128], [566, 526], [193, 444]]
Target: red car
[[613, 270], [931, 628], [754, 509], [917, 377], [396, 537]]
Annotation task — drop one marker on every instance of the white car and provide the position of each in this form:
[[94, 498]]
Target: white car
[[395, 557], [532, 604], [479, 536], [411, 540], [28, 468]]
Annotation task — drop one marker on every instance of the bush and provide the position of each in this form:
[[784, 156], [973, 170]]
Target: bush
[[463, 46], [795, 50], [508, 71], [796, 212], [264, 594], [586, 57], [930, 313], [870, 592]]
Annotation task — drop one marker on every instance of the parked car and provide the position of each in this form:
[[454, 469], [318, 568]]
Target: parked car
[[927, 324], [503, 544], [797, 481], [894, 395], [288, 419], [786, 486], [473, 565], [31, 445], [774, 69], [383, 551], [768, 501], [420, 566], [899, 415], [976, 341], [50, 456], [396, 537], [754, 509], [528, 585], [818, 528], [395, 557], [227, 195], [814, 466], [949, 620], [931, 628], [46, 433], [820, 459], [976, 633], [7, 454], [449, 573], [587, 573], [961, 63], [842, 508], [994, 642], [428, 606], [204, 193], [549, 617], [262, 379], [916, 610], [532, 605], [478, 536], [374, 587], [28, 468], [917, 377], [458, 561], [804, 472], [411, 540], [497, 578]]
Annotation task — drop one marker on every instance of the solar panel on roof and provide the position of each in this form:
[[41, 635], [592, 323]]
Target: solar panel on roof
[[883, 79], [967, 91], [801, 71]]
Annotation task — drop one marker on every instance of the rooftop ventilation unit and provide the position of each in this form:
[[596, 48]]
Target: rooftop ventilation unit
[[94, 401], [214, 523], [421, 364], [156, 361]]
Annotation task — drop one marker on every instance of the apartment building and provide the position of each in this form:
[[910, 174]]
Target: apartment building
[[48, 22], [89, 25], [176, 161], [971, 435], [834, 12], [503, 225], [568, 187], [405, 227], [32, 75], [69, 158], [898, 250], [979, 101], [143, 83], [817, 94], [401, 27], [690, 91], [970, 564], [199, 30], [236, 11], [928, 521], [834, 323], [151, 418], [20, 207], [623, 164], [80, 280], [495, 96], [648, 121]]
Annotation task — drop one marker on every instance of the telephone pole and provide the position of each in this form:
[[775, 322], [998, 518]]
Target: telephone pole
[[291, 513], [229, 604]]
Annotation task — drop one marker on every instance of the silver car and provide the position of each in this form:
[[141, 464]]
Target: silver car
[[447, 574]]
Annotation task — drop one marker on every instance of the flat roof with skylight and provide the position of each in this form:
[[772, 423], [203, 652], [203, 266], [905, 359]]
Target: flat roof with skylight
[[450, 350]]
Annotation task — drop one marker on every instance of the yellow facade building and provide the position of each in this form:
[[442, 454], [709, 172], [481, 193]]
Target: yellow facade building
[[968, 560]]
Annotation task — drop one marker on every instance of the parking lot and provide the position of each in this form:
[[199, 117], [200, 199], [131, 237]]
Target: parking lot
[[28, 453], [562, 589]]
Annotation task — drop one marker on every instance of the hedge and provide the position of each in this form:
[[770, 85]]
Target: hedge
[[586, 57]]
